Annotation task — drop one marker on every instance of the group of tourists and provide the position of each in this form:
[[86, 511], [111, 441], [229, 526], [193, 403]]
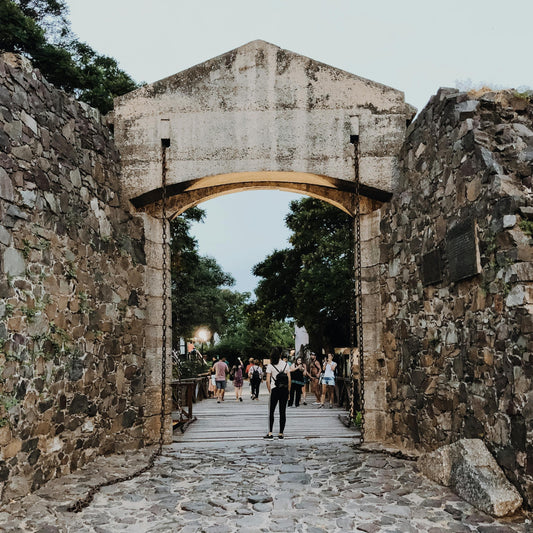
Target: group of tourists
[[237, 374], [286, 382]]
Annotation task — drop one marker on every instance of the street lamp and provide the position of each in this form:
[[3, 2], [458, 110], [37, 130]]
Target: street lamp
[[203, 334]]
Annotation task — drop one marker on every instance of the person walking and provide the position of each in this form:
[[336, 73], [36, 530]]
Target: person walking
[[249, 365], [298, 373], [314, 373], [278, 382], [238, 380], [328, 381], [212, 383], [307, 380], [221, 369], [256, 376]]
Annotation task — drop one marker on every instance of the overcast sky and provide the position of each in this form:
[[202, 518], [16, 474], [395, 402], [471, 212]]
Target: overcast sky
[[415, 46]]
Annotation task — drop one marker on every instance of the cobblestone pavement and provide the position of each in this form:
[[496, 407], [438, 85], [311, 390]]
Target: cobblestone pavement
[[263, 486]]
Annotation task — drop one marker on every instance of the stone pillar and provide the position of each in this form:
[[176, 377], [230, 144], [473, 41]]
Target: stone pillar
[[374, 359], [154, 333]]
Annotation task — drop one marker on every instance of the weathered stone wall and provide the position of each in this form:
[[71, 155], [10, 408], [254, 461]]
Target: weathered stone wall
[[72, 301], [459, 352]]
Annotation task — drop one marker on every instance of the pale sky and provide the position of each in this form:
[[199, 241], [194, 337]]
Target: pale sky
[[415, 46]]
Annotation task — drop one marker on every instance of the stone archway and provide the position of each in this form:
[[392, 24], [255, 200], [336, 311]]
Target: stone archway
[[178, 202], [260, 117], [182, 196]]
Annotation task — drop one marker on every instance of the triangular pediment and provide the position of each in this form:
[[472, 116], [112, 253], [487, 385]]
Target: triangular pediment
[[261, 109], [260, 75]]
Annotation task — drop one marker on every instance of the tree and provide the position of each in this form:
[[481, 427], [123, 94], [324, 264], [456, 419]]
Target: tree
[[254, 335], [39, 30], [274, 292], [51, 15], [200, 297], [101, 78], [312, 281], [200, 293]]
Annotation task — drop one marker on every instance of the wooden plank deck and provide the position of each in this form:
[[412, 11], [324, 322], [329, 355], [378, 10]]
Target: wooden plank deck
[[248, 421]]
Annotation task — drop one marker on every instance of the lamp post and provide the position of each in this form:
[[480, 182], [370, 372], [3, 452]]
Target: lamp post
[[203, 334]]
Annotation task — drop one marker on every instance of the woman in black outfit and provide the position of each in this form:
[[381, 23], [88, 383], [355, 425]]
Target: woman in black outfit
[[278, 389], [298, 372], [256, 376]]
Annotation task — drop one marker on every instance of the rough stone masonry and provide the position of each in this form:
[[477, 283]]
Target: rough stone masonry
[[456, 276], [72, 301]]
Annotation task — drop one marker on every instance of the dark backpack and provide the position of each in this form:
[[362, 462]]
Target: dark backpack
[[282, 379], [255, 375]]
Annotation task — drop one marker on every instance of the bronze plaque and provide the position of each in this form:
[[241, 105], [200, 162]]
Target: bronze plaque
[[431, 267], [462, 250]]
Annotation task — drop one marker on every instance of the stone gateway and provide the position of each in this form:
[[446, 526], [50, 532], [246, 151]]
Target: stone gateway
[[446, 226]]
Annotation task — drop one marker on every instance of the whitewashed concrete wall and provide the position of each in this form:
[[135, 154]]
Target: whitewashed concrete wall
[[260, 109]]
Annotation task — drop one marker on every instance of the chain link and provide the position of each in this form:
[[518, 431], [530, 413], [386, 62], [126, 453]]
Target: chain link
[[165, 294], [359, 289], [353, 391]]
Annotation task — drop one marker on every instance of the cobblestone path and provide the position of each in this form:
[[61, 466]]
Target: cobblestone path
[[291, 485]]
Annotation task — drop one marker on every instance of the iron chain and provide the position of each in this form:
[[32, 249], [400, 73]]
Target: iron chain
[[353, 392], [359, 289], [165, 295]]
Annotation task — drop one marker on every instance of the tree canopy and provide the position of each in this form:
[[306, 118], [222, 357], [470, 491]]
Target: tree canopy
[[40, 30], [312, 280], [200, 288], [202, 298], [254, 334]]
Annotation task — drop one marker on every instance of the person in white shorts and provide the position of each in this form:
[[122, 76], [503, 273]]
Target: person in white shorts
[[328, 381]]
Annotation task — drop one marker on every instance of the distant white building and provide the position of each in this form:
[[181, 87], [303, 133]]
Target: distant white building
[[301, 338]]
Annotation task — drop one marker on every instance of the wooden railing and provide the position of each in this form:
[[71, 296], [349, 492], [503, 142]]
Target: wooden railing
[[189, 391]]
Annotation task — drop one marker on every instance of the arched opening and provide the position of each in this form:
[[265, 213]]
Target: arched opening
[[316, 272], [184, 195], [231, 124]]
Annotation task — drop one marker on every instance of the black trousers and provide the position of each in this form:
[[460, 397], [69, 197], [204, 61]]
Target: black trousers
[[296, 393], [278, 396], [255, 387]]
